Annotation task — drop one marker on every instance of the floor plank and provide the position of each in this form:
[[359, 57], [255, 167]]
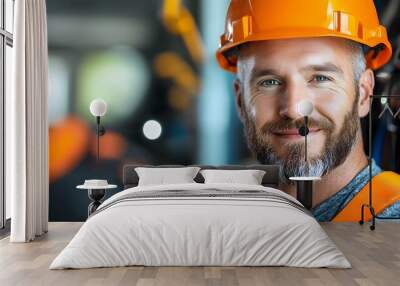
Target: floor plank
[[374, 255]]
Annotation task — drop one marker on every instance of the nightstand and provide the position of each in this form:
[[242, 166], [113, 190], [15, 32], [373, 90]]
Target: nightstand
[[305, 189], [96, 192]]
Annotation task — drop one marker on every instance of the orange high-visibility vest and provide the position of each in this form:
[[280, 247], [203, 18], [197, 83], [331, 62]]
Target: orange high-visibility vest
[[385, 192]]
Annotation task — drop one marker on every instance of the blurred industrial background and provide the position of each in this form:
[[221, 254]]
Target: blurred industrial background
[[168, 102]]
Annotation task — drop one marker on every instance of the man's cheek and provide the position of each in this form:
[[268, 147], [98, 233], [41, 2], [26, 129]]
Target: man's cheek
[[334, 107], [317, 142], [262, 115]]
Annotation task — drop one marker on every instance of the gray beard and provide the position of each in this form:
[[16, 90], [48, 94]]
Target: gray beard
[[296, 166], [336, 150]]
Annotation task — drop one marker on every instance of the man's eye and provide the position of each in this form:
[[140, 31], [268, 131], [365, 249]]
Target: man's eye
[[321, 78], [270, 82]]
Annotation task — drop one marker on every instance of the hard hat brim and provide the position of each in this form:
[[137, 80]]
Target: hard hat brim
[[374, 59]]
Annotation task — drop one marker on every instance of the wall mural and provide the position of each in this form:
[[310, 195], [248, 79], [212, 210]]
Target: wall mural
[[153, 63]]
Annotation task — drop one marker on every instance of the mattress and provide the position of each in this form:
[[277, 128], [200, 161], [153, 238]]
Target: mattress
[[201, 225]]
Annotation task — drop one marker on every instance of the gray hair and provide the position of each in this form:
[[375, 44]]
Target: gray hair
[[358, 60]]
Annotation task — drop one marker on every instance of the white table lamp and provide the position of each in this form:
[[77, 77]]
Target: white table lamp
[[98, 108]]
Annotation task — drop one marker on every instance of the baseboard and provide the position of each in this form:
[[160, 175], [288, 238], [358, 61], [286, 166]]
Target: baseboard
[[5, 231]]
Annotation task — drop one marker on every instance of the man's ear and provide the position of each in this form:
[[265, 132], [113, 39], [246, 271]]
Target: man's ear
[[240, 105], [366, 89]]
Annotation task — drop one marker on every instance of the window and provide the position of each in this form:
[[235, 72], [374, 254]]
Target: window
[[6, 44]]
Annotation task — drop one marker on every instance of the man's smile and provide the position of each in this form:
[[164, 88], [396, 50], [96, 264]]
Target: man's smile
[[293, 134]]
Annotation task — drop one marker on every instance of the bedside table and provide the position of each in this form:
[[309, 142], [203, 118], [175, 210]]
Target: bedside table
[[305, 189], [95, 194]]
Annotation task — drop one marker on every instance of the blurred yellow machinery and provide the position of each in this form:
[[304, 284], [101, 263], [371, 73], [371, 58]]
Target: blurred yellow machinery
[[178, 20]]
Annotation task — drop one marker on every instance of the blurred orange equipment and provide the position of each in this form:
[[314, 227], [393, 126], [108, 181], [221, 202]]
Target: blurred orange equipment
[[112, 146], [68, 145]]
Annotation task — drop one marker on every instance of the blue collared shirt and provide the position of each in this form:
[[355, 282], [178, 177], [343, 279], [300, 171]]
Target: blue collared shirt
[[329, 208]]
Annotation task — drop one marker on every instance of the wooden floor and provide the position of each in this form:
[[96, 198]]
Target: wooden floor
[[375, 257]]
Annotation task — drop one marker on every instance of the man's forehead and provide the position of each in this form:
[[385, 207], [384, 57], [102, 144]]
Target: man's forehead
[[326, 66], [307, 53], [299, 44]]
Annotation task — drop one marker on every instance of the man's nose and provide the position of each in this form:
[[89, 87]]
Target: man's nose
[[293, 95]]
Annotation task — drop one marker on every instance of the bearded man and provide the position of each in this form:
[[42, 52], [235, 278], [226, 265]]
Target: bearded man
[[322, 51]]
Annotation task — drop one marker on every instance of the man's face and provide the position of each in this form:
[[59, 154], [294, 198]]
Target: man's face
[[274, 77]]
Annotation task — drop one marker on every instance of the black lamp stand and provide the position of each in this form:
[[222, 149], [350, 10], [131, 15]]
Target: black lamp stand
[[95, 195], [100, 131], [305, 187], [303, 131], [370, 205], [305, 192]]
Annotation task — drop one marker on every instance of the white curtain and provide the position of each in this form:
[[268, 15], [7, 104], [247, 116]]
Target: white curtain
[[26, 124]]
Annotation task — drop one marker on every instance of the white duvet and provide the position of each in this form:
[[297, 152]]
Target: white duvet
[[207, 230]]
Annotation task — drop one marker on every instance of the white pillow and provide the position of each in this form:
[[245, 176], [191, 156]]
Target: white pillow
[[162, 176], [248, 177]]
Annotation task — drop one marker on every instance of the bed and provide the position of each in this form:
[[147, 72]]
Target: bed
[[201, 224]]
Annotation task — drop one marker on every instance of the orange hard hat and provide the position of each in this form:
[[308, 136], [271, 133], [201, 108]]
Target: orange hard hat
[[258, 20]]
